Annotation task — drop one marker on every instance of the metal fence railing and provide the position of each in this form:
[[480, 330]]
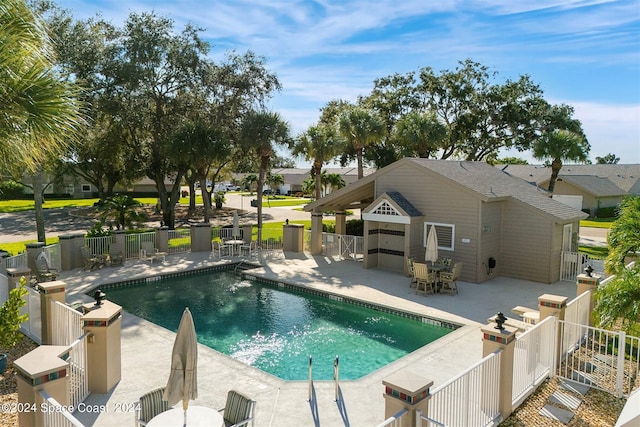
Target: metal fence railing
[[33, 326], [471, 397], [603, 359], [179, 240], [55, 414], [4, 288], [533, 359], [16, 261], [574, 263]]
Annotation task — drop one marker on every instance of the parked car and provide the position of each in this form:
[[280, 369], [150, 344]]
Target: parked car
[[267, 192], [231, 187]]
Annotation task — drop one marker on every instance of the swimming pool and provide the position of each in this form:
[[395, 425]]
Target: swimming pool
[[276, 329]]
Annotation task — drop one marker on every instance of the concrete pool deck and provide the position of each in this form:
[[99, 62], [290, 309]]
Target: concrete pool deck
[[146, 348]]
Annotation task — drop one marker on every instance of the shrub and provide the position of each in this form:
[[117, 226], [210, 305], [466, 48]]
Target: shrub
[[355, 227], [10, 317], [328, 227], [608, 212], [10, 190]]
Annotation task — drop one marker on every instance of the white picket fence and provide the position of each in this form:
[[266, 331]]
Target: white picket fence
[[470, 398]]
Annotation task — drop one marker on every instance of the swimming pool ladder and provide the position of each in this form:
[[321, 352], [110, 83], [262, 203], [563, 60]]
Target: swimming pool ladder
[[336, 378]]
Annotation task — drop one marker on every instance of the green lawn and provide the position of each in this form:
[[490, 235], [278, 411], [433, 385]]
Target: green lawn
[[597, 222], [16, 248]]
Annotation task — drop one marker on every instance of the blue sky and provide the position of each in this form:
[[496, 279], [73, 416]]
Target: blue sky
[[585, 53]]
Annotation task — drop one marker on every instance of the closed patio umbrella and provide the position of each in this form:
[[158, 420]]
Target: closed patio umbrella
[[431, 253], [236, 225], [182, 384]]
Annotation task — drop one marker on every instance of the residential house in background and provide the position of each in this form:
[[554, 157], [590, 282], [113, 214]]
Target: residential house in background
[[598, 186], [480, 213]]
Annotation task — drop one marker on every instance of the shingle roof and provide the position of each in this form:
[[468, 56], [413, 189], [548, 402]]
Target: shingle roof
[[404, 203], [492, 183], [599, 180]]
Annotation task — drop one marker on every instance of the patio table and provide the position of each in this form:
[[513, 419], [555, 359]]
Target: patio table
[[196, 416], [235, 245]]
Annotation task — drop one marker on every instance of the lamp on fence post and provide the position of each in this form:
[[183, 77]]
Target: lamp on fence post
[[500, 319], [99, 296], [588, 269]]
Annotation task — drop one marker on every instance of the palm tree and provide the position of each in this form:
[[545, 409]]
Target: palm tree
[[318, 144], [249, 180], [624, 237], [124, 209], [39, 111], [260, 131], [559, 145], [274, 181], [360, 127], [618, 301], [333, 180], [419, 134]]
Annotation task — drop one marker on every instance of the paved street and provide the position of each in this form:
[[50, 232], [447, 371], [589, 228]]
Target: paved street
[[20, 226]]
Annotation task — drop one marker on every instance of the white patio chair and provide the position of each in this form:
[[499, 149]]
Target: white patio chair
[[222, 248], [149, 253], [249, 248]]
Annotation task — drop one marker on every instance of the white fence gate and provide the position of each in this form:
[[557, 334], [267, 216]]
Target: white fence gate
[[67, 330], [574, 263], [343, 245]]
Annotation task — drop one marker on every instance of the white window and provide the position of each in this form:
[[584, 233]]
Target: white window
[[86, 188], [446, 235]]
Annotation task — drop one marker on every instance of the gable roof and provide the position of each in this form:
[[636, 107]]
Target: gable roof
[[478, 178], [597, 180]]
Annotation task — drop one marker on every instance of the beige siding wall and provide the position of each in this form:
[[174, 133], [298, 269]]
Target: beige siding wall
[[588, 201], [490, 236], [527, 244], [441, 202], [370, 242]]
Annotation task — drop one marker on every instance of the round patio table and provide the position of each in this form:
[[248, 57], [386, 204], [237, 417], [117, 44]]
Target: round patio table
[[235, 244], [197, 416]]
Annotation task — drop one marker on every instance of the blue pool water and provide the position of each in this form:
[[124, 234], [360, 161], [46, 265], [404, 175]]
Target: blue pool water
[[276, 330]]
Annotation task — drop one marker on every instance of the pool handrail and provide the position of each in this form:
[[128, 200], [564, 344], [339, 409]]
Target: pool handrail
[[336, 376], [310, 377]]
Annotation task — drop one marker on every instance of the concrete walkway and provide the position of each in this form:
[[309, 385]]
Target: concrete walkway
[[146, 348]]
